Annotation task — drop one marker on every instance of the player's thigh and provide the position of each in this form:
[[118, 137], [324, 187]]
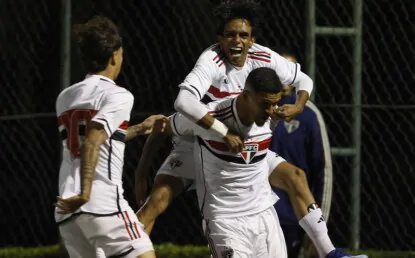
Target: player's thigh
[[275, 241], [228, 238], [74, 240], [117, 235]]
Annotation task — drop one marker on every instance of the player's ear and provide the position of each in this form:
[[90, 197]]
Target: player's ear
[[253, 40], [113, 59]]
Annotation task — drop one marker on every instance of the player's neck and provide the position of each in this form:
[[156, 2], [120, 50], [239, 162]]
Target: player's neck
[[244, 115], [107, 73]]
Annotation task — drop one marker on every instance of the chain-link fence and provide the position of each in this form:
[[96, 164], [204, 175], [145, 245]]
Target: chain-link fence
[[162, 42]]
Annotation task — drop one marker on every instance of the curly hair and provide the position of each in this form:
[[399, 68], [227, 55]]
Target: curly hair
[[231, 10], [97, 39]]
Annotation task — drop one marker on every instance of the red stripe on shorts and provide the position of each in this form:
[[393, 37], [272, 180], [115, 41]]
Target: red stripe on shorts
[[126, 227]]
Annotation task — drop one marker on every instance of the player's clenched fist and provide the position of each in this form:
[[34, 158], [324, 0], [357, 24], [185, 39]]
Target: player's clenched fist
[[234, 142]]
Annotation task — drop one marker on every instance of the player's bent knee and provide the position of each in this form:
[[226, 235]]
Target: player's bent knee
[[170, 183], [299, 178], [295, 178]]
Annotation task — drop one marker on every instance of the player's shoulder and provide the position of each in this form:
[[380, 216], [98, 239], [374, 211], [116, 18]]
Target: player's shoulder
[[68, 94], [212, 55], [220, 107], [116, 92], [260, 54], [260, 48]]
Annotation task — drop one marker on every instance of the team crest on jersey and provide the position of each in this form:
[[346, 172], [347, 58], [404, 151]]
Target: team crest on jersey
[[175, 163], [227, 253], [291, 126], [249, 152]]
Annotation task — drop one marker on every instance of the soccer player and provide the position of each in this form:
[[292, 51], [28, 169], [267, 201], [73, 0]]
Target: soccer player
[[94, 218], [233, 190], [304, 143], [284, 176], [219, 73]]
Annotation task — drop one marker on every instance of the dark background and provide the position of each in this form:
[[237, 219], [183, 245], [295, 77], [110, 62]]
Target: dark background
[[162, 42]]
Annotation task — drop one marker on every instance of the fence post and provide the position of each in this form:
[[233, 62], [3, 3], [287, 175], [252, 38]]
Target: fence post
[[357, 125], [65, 48]]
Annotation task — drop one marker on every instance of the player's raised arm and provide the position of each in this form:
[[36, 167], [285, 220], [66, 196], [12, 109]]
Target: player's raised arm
[[290, 73]]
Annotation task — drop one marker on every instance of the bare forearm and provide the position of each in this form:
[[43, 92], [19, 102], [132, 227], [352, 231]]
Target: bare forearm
[[302, 98], [134, 131], [304, 86], [89, 160]]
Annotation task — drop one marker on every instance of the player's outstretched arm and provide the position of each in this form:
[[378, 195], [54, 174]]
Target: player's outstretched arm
[[143, 128], [96, 136]]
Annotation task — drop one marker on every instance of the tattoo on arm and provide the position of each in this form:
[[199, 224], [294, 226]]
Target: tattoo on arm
[[89, 159], [133, 131]]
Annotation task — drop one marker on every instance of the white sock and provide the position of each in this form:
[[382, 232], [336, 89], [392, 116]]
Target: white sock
[[316, 228]]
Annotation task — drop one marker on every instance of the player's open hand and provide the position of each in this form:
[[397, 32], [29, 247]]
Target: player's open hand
[[289, 111], [71, 204], [234, 142], [149, 122]]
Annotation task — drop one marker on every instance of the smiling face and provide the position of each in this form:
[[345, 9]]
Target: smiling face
[[236, 41]]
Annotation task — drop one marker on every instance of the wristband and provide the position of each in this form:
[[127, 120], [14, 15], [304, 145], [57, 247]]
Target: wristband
[[219, 127]]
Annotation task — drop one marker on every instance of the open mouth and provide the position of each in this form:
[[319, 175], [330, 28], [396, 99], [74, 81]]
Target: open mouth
[[235, 51]]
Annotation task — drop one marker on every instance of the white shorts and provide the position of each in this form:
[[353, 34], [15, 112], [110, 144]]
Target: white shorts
[[252, 236], [120, 235], [180, 163]]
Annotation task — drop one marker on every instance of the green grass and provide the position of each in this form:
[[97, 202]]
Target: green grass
[[168, 251]]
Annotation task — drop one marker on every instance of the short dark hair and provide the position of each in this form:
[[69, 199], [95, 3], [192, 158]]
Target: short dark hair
[[264, 80], [97, 39], [247, 10]]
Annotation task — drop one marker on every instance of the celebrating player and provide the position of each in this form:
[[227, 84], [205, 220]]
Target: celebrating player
[[219, 73], [94, 218], [261, 89], [233, 190]]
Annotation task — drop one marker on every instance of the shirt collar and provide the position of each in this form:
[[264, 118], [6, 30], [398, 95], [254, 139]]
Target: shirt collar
[[101, 77]]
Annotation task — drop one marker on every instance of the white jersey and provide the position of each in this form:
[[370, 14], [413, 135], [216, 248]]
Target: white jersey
[[213, 78], [97, 99], [228, 184]]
